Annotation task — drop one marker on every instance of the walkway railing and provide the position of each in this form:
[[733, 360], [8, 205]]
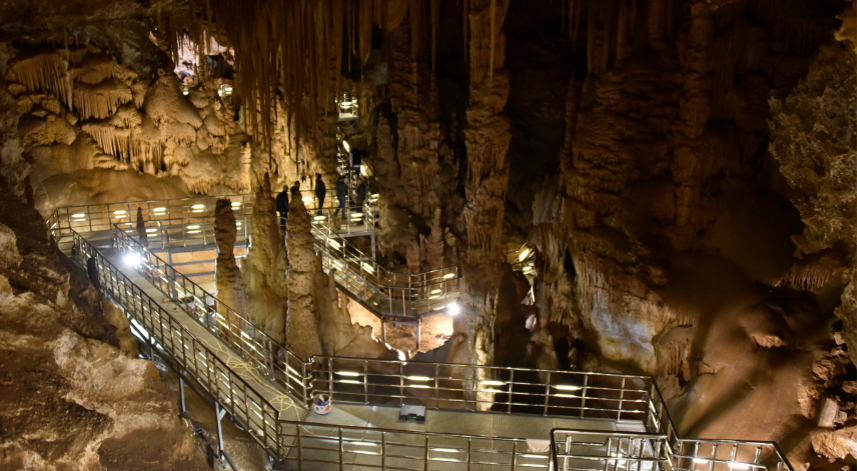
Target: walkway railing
[[574, 450], [269, 356], [232, 392], [728, 455], [503, 389]]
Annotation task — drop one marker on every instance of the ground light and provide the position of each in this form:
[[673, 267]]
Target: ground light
[[453, 309]]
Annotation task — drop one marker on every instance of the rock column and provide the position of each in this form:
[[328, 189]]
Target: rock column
[[230, 285], [302, 321], [487, 141], [266, 265]]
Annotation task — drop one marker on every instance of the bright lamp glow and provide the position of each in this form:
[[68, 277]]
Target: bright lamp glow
[[348, 373], [452, 309], [347, 146], [78, 215], [566, 387], [198, 206], [448, 276], [132, 259]]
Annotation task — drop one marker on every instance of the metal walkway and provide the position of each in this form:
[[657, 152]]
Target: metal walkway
[[480, 417], [188, 224]]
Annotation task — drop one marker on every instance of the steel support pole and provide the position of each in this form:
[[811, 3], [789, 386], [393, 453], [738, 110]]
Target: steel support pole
[[219, 413], [182, 406]]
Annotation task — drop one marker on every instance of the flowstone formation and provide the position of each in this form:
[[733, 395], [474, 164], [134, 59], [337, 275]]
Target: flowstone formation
[[71, 399], [266, 265], [230, 284]]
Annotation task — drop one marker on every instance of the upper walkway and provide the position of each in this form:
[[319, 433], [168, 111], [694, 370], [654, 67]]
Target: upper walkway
[[480, 417]]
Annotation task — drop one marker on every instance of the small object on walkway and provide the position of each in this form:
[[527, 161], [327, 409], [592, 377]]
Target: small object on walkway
[[417, 413], [321, 404]]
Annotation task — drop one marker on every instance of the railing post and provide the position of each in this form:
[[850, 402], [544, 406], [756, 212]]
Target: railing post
[[341, 448], [547, 393], [583, 392]]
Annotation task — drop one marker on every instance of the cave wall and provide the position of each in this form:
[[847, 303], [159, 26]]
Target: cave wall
[[71, 398]]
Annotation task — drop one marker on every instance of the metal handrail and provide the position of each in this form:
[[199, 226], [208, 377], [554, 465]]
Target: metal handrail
[[192, 355], [717, 455], [271, 357], [630, 451]]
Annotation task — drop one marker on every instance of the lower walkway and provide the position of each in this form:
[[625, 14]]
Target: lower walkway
[[280, 422]]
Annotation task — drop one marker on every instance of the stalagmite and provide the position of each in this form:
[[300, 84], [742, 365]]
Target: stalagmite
[[230, 285], [303, 329], [266, 265]]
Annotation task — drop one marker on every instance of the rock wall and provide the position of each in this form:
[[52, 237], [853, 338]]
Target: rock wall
[[71, 399]]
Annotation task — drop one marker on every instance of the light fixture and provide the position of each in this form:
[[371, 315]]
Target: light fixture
[[235, 204], [306, 200], [524, 255], [193, 232], [151, 230], [368, 267], [435, 291], [185, 92], [120, 213], [453, 309], [448, 276], [418, 378], [78, 215], [132, 259], [492, 382], [348, 373], [160, 209], [700, 460], [198, 210], [198, 206], [319, 218], [535, 456], [346, 145], [195, 226], [446, 450], [566, 387], [333, 244], [238, 223]]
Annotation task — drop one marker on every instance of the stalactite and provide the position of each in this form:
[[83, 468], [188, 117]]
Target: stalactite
[[100, 100], [43, 72]]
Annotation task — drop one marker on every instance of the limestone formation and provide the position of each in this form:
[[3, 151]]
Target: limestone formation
[[266, 266], [303, 327], [230, 284], [487, 140]]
